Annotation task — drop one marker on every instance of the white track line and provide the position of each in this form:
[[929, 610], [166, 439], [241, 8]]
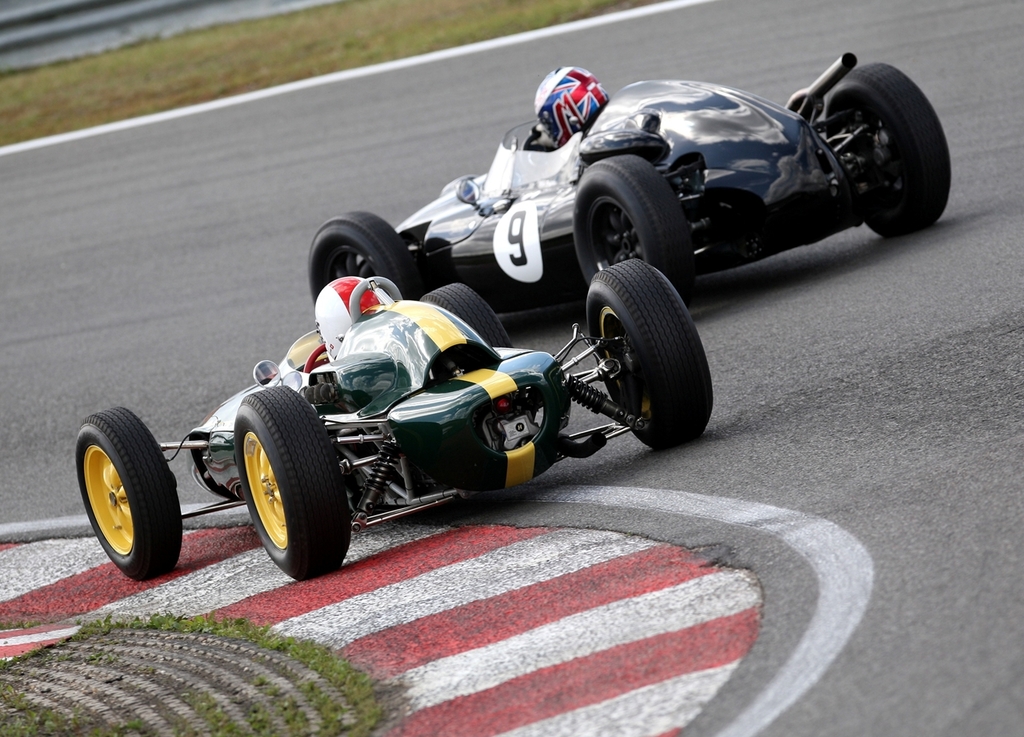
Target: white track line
[[390, 66], [202, 591], [64, 525], [12, 641]]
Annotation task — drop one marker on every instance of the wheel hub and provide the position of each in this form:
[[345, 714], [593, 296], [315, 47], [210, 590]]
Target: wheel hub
[[268, 488], [108, 500], [269, 507]]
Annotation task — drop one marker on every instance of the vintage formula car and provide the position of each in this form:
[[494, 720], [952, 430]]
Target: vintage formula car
[[424, 402], [690, 177]]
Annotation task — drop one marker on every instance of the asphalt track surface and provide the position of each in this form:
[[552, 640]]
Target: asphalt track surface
[[875, 384]]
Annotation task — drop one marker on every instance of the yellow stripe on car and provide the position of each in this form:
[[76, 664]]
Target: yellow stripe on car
[[520, 460], [495, 383], [438, 328], [520, 465]]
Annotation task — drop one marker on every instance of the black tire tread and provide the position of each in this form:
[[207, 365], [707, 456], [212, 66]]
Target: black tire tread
[[316, 508], [673, 359], [394, 261], [671, 251], [922, 142], [151, 489]]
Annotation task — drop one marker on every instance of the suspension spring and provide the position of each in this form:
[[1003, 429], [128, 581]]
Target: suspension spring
[[380, 473], [600, 403], [589, 396]]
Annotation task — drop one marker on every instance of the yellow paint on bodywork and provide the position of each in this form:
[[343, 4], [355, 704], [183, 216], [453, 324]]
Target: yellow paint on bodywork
[[520, 465], [495, 383], [439, 328]]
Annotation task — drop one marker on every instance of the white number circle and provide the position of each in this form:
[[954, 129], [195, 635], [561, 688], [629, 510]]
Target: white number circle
[[517, 243]]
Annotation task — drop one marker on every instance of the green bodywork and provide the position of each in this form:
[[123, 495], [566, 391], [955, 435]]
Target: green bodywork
[[436, 431], [386, 356], [386, 374]]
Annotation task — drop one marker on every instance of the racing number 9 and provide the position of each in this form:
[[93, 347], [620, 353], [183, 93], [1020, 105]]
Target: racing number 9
[[517, 243], [515, 237]]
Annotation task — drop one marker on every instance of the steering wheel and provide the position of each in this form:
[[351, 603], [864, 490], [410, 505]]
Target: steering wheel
[[315, 357]]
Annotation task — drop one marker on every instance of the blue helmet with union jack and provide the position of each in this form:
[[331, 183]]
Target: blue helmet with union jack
[[567, 101]]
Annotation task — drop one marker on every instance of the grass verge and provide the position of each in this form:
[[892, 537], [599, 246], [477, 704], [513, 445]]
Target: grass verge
[[159, 75]]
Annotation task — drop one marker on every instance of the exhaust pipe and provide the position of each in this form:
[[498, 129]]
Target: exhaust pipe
[[807, 103]]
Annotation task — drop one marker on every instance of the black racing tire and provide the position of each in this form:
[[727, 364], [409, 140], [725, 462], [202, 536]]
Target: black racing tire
[[625, 209], [665, 376], [299, 506], [465, 303], [362, 244], [918, 179], [130, 494]]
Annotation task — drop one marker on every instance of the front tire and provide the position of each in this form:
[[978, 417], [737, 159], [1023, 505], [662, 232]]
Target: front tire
[[292, 483], [626, 210], [910, 190], [129, 492], [465, 303], [362, 244], [665, 377]]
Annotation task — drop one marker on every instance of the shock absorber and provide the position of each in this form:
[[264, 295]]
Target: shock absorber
[[600, 403], [379, 475]]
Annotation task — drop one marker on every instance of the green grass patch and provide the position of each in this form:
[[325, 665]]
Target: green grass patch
[[195, 67], [356, 717]]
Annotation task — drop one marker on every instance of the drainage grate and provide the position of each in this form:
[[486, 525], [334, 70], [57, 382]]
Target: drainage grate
[[169, 683]]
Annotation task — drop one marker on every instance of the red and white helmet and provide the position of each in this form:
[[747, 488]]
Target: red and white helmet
[[567, 101], [333, 318]]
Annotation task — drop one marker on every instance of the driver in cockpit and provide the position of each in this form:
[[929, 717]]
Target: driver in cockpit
[[567, 101]]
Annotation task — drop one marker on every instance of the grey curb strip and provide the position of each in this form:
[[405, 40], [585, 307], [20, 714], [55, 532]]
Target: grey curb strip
[[842, 566], [357, 73]]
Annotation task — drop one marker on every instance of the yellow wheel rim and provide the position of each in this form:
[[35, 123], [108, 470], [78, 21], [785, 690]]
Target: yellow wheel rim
[[611, 327], [265, 493], [108, 500]]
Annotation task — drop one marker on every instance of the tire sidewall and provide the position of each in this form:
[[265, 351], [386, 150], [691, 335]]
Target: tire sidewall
[[375, 240], [663, 429], [88, 436], [317, 539], [156, 542], [925, 161], [634, 185], [249, 420]]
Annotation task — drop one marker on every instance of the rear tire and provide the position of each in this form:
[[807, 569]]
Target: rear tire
[[292, 483], [665, 377], [917, 179], [624, 210], [465, 303], [129, 492], [362, 244]]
